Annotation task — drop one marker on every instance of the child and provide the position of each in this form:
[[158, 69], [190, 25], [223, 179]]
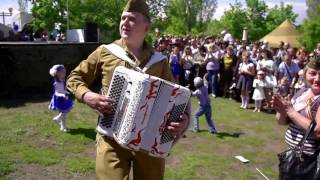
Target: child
[[204, 105], [258, 93], [284, 87], [60, 101], [246, 76], [301, 82]]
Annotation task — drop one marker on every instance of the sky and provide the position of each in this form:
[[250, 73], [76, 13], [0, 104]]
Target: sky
[[299, 7]]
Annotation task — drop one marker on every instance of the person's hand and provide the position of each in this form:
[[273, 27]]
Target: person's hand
[[65, 96], [177, 128], [99, 103], [282, 104]]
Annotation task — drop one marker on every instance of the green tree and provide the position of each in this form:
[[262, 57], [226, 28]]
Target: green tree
[[313, 6], [278, 14], [48, 12], [106, 13], [256, 17], [311, 27], [256, 11], [235, 19], [187, 16]]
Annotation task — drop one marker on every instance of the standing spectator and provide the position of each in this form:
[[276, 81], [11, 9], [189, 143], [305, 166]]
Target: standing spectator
[[246, 75], [187, 64], [213, 68], [254, 56], [199, 65], [266, 65], [229, 61], [294, 114], [302, 57], [194, 47], [289, 69], [175, 64]]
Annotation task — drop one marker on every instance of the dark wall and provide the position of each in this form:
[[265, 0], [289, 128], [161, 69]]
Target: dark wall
[[24, 67]]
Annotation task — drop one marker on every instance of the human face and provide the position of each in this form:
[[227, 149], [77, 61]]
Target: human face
[[287, 59], [312, 77], [61, 74], [133, 27]]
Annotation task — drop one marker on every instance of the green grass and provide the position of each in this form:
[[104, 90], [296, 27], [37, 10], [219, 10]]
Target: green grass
[[29, 137]]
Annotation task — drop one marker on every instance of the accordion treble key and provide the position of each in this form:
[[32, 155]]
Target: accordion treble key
[[143, 107]]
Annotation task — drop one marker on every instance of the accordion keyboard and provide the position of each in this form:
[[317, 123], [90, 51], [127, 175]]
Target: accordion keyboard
[[115, 94], [174, 117]]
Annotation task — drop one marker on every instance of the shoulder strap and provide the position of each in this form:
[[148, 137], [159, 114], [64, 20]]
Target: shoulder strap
[[155, 58], [290, 76], [119, 52]]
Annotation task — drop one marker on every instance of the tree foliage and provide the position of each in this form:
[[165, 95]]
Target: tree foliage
[[48, 12], [188, 16], [106, 13], [256, 17], [311, 27], [313, 8], [234, 19], [180, 17], [278, 14]]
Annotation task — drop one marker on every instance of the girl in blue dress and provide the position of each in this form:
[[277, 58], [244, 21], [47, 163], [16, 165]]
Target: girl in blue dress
[[60, 101], [175, 64]]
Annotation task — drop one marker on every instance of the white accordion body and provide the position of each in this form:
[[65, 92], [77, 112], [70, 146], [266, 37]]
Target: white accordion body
[[144, 106]]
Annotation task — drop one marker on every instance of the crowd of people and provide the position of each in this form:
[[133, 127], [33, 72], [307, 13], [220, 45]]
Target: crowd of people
[[237, 69], [28, 36]]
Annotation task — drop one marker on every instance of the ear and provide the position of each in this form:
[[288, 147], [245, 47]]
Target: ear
[[147, 28]]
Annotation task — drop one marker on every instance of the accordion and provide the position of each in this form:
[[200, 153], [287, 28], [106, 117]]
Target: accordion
[[144, 106]]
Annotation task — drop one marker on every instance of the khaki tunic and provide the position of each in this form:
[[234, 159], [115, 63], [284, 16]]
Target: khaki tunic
[[102, 63]]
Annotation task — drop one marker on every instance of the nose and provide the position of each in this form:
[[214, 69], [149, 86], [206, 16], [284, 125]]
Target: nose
[[125, 21], [317, 78]]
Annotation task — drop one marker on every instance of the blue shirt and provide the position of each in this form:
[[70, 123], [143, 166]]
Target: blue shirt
[[289, 71]]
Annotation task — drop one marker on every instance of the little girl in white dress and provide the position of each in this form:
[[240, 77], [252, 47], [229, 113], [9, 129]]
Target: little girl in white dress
[[258, 94]]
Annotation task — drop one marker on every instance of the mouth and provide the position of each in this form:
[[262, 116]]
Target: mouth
[[126, 30], [316, 85]]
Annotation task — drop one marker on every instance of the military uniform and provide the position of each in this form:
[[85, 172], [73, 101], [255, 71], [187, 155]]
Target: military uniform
[[112, 161]]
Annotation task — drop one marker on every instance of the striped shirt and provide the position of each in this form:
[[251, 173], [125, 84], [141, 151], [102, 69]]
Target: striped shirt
[[294, 132]]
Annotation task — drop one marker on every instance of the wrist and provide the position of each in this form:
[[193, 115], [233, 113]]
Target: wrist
[[85, 96], [290, 111]]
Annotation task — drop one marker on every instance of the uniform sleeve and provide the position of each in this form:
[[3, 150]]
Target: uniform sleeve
[[84, 75]]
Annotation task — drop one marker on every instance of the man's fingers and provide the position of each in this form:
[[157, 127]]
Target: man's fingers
[[175, 124]]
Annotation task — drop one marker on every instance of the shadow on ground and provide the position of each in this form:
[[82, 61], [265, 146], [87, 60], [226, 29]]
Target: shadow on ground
[[22, 101], [87, 132], [222, 135]]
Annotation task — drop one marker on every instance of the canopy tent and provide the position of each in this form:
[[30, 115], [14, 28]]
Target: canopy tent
[[285, 32], [5, 30]]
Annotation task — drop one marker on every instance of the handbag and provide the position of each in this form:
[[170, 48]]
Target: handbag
[[296, 165]]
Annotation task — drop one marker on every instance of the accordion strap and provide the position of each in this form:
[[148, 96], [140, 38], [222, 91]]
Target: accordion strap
[[119, 52]]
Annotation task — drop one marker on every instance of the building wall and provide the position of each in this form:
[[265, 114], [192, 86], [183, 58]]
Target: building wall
[[24, 67]]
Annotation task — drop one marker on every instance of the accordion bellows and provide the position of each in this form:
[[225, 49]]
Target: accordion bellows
[[144, 106]]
